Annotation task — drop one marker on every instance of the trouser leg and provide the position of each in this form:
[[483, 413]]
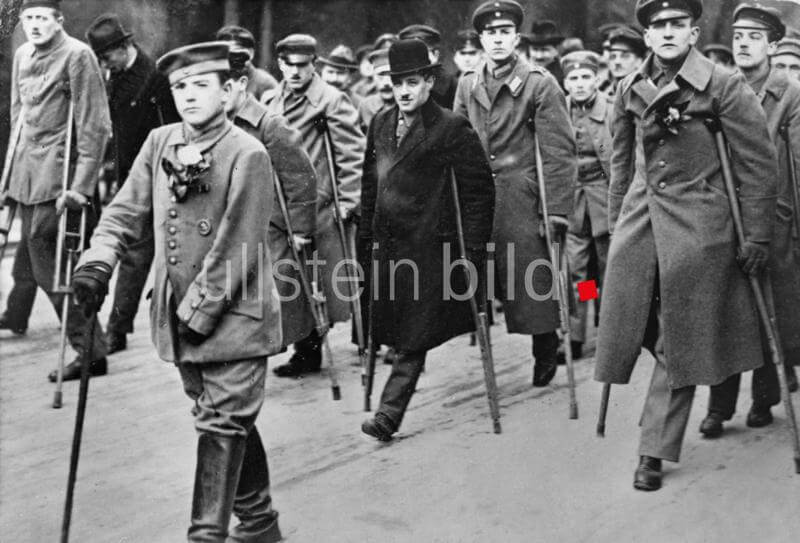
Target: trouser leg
[[545, 348], [134, 267], [401, 385], [20, 300], [228, 397], [578, 251], [666, 411], [766, 388], [722, 397]]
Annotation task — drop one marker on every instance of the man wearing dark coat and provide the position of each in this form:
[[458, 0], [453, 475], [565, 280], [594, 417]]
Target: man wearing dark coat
[[408, 224], [139, 100], [674, 280], [756, 29], [511, 104], [543, 43]]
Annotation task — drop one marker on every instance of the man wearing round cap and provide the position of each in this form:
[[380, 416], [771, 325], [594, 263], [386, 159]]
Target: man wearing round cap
[[339, 69], [719, 54], [510, 103], [140, 100], [444, 88], [242, 41], [311, 106], [468, 52], [756, 31], [408, 215], [676, 280], [587, 236], [626, 51], [205, 186], [49, 71], [786, 57], [384, 98], [543, 42]]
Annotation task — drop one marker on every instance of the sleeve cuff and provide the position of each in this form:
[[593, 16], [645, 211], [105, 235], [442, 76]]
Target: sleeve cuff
[[189, 312]]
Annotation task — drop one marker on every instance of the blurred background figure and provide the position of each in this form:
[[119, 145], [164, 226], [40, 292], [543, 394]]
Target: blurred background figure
[[570, 45], [719, 54], [626, 49], [544, 41], [242, 40], [340, 69], [468, 52], [786, 57], [444, 88], [384, 98]]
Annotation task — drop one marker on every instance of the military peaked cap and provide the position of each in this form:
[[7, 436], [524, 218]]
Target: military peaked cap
[[651, 11], [196, 59]]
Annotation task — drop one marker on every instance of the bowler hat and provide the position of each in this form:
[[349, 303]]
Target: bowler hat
[[106, 32], [468, 39], [545, 33], [629, 37], [408, 57], [200, 58], [650, 11], [759, 17]]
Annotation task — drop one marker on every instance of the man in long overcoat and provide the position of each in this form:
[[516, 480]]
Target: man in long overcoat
[[509, 102], [139, 100], [299, 183], [51, 70], [409, 214], [206, 188], [587, 236], [755, 30], [311, 105], [674, 283]]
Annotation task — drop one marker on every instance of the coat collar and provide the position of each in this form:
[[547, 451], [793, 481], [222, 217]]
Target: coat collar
[[515, 81], [599, 108], [418, 132], [696, 72], [776, 84], [251, 111], [205, 142], [58, 40]]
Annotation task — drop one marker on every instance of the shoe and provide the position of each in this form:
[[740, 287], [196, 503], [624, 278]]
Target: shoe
[[258, 521], [577, 352], [543, 373], [219, 462], [300, 364], [648, 475], [116, 342], [711, 427], [72, 371], [6, 324], [378, 427], [759, 416]]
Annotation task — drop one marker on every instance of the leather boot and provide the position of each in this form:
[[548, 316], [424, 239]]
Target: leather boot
[[258, 522], [545, 356], [648, 474], [72, 371], [6, 323], [759, 416], [711, 427], [307, 358], [219, 461]]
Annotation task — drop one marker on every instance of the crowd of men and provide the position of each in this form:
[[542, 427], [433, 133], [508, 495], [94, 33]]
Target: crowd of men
[[246, 195]]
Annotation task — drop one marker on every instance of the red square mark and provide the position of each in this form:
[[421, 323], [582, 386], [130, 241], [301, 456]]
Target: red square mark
[[587, 290]]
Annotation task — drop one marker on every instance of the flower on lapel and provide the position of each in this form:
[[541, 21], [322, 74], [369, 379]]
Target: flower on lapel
[[186, 173], [669, 116]]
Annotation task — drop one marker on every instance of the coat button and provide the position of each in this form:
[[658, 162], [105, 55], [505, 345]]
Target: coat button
[[661, 142], [173, 213], [662, 185], [172, 229], [194, 305], [662, 163], [172, 244], [173, 260]]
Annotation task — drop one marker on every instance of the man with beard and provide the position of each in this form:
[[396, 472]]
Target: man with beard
[[626, 51], [309, 105], [543, 42], [756, 31], [511, 104], [409, 214], [676, 279], [140, 100], [384, 99], [786, 57], [50, 71], [339, 70], [444, 88], [587, 236]]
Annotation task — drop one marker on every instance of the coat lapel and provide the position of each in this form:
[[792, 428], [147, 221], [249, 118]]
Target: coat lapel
[[479, 88], [412, 139], [696, 72]]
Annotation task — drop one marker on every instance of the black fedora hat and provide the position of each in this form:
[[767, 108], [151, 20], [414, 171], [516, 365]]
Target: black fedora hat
[[105, 32], [408, 57]]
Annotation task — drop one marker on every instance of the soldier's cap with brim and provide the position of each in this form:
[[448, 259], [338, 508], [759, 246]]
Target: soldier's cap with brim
[[55, 4], [653, 11], [408, 57], [717, 48], [297, 48], [341, 57], [468, 40], [379, 59], [496, 13], [606, 29], [787, 46], [757, 17], [578, 60], [627, 38], [429, 35], [196, 59]]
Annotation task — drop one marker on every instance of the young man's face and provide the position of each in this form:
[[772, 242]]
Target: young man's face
[[40, 24], [200, 98], [499, 41], [297, 72], [238, 93], [671, 39], [750, 48], [581, 84], [789, 64], [622, 62], [467, 58], [114, 60], [412, 91], [383, 82], [542, 55], [338, 77]]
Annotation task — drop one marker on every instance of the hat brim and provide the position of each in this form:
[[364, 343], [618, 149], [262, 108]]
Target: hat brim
[[328, 62], [110, 45], [414, 70]]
